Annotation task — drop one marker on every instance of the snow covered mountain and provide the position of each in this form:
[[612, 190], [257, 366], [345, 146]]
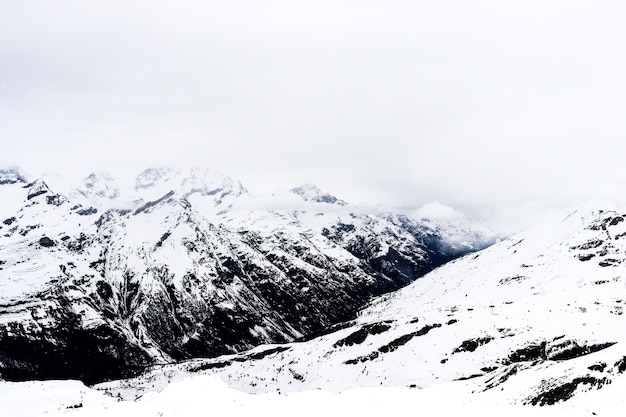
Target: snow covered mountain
[[103, 278], [536, 319]]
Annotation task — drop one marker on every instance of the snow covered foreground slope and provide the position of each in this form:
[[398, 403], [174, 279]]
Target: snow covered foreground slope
[[99, 279], [208, 395], [534, 320]]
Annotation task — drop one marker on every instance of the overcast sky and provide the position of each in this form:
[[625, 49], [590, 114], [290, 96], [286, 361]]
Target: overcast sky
[[489, 106]]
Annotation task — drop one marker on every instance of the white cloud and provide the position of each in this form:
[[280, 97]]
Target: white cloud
[[437, 211], [478, 104]]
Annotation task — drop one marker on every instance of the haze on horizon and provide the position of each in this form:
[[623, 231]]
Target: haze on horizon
[[507, 110]]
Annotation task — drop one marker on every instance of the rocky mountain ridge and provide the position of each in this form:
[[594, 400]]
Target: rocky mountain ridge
[[101, 280], [533, 320]]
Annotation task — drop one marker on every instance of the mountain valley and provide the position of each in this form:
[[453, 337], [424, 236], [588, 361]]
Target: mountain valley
[[100, 281]]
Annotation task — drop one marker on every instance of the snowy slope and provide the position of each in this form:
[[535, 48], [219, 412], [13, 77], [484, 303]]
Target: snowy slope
[[536, 319], [110, 276], [208, 394]]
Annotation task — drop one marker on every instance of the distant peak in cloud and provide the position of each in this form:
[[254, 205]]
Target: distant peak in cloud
[[12, 175], [100, 185], [310, 192], [149, 177], [190, 179]]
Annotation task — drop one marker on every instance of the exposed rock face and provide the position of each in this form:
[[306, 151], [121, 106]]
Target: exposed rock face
[[525, 321], [177, 271], [37, 188]]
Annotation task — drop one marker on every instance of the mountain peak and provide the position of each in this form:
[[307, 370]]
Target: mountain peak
[[190, 180], [37, 188], [151, 176], [99, 185], [12, 176], [310, 192]]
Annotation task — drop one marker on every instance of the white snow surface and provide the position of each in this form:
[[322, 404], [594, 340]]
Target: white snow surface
[[558, 291], [209, 395]]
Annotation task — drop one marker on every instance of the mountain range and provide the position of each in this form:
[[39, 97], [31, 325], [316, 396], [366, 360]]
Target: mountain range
[[534, 320], [101, 278]]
